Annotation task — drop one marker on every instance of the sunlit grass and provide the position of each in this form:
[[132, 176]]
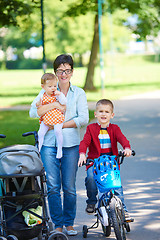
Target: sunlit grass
[[124, 76], [14, 123]]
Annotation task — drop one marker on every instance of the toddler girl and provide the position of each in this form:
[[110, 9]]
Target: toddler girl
[[53, 117]]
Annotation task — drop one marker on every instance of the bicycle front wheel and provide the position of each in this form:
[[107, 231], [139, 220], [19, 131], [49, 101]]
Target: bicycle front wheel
[[117, 220], [106, 230]]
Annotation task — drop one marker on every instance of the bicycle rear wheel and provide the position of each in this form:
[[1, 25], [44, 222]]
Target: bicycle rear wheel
[[117, 220]]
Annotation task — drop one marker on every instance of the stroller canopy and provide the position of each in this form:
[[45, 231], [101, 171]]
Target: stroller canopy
[[20, 159]]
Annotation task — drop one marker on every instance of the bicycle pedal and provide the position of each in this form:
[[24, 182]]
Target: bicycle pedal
[[129, 220]]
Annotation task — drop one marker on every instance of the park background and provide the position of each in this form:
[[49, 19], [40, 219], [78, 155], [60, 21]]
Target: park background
[[129, 37]]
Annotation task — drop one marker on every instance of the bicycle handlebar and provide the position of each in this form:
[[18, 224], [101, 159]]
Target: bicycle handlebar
[[120, 158], [2, 136]]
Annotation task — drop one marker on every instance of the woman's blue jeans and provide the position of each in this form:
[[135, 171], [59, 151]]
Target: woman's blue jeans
[[61, 173], [92, 190]]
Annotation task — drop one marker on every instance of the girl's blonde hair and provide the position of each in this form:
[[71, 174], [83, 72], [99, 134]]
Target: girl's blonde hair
[[48, 76]]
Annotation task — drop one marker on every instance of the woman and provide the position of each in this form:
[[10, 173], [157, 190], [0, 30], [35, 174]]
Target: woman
[[62, 172]]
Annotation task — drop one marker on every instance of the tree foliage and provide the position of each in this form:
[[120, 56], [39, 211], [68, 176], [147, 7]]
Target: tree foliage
[[13, 10], [147, 12], [71, 25], [64, 34]]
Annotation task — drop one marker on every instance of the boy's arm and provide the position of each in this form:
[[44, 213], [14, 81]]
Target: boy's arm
[[124, 142], [85, 143]]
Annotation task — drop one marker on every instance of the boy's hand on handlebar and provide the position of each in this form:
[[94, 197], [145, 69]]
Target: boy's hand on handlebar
[[127, 152], [82, 159]]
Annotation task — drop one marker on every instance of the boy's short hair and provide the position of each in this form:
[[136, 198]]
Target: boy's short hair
[[48, 76], [105, 102]]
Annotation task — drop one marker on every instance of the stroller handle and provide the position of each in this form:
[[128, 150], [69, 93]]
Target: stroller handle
[[2, 136], [35, 136]]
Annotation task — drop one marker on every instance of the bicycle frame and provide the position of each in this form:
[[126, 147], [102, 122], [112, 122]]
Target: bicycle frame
[[110, 212]]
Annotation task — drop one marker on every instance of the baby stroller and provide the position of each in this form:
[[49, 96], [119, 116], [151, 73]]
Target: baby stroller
[[24, 209]]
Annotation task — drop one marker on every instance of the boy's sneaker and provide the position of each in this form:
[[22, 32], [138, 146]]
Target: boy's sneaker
[[90, 208], [128, 217]]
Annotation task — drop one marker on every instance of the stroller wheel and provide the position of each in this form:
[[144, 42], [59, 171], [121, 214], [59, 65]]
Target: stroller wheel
[[58, 236], [2, 238], [40, 236], [50, 225], [12, 237]]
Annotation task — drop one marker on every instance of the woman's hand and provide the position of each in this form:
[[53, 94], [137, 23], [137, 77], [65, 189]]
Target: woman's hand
[[62, 108], [39, 103]]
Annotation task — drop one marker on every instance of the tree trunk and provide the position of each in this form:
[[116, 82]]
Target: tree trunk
[[89, 85], [80, 60]]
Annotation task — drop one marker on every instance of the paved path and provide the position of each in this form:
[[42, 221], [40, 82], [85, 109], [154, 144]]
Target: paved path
[[91, 105]]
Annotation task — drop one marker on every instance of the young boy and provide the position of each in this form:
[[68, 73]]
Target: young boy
[[101, 138]]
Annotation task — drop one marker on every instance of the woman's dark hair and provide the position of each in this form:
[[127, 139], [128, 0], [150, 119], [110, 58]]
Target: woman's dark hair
[[62, 59]]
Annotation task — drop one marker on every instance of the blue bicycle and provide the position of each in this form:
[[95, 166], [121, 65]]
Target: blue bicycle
[[109, 211]]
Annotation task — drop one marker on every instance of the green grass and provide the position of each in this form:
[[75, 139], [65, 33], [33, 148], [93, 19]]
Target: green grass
[[13, 124], [124, 75]]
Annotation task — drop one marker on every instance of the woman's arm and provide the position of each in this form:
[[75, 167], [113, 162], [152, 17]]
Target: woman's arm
[[36, 112], [82, 117], [33, 109], [45, 108], [69, 124]]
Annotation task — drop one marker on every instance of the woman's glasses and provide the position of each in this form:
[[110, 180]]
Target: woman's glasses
[[66, 71]]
